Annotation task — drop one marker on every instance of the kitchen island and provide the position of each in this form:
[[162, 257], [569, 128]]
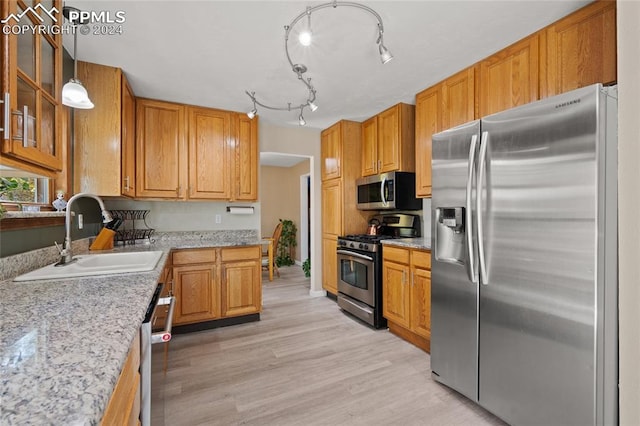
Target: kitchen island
[[64, 342]]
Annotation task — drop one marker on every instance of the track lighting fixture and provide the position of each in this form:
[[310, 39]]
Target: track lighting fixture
[[299, 69]]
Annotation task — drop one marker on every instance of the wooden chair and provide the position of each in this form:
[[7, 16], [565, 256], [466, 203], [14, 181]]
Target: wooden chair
[[273, 241]]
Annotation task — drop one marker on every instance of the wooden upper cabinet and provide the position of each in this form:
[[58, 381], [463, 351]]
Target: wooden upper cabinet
[[209, 154], [331, 152], [458, 98], [160, 148], [509, 78], [443, 106], [128, 141], [396, 139], [370, 146], [428, 123], [580, 50], [246, 158], [32, 79], [104, 144]]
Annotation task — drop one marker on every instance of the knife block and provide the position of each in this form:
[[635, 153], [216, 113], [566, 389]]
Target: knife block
[[104, 240]]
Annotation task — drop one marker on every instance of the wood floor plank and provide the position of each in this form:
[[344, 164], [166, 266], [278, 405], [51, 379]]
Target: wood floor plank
[[304, 363]]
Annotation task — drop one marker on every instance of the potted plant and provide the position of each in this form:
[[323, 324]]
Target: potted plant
[[306, 267], [286, 243]]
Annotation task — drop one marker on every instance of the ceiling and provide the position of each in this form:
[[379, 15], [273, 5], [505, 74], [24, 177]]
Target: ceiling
[[276, 159], [209, 52]]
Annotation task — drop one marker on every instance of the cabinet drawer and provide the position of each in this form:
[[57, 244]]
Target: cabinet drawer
[[185, 257], [240, 253], [395, 254], [421, 259]]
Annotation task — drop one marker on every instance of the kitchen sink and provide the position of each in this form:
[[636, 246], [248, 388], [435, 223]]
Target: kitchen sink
[[97, 264]]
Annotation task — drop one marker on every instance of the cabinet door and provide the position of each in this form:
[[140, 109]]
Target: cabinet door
[[370, 147], [128, 185], [196, 293], [246, 159], [329, 265], [97, 139], [160, 146], [241, 288], [330, 152], [458, 99], [32, 76], [421, 302], [332, 208], [510, 77], [210, 154], [396, 293], [581, 50], [389, 140], [428, 119]]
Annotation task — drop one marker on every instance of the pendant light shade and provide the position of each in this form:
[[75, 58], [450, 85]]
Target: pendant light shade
[[75, 95]]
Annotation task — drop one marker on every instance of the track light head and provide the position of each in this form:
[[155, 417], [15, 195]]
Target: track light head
[[301, 120], [385, 55], [252, 113], [313, 106]]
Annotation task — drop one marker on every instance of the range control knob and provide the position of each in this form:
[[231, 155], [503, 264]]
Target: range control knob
[[360, 246], [366, 247], [352, 245]]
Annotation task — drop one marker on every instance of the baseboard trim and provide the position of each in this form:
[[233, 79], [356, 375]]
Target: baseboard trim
[[317, 293], [207, 325]]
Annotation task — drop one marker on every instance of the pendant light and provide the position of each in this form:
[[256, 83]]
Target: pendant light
[[73, 93]]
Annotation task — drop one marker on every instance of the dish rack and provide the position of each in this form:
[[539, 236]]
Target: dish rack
[[134, 226]]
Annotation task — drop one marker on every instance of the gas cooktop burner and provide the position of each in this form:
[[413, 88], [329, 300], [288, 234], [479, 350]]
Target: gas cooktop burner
[[366, 238]]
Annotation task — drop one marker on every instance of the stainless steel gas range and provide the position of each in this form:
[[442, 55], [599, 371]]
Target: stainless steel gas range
[[360, 267]]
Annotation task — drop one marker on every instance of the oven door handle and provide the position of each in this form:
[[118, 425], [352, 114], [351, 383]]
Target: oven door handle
[[356, 255], [165, 335]]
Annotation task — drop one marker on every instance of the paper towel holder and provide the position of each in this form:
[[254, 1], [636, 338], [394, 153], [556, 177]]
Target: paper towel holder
[[240, 209]]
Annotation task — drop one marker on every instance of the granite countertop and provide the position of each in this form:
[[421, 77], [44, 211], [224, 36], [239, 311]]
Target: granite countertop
[[63, 342], [417, 243]]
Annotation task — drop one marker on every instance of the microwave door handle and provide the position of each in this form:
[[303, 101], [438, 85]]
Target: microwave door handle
[[382, 197]]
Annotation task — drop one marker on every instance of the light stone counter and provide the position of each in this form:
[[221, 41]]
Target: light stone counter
[[63, 342], [417, 243]]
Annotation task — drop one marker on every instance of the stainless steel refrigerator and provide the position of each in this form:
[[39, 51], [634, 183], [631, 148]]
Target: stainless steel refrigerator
[[524, 260]]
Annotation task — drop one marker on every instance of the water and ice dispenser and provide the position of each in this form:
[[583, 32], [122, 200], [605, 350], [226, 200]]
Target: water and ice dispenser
[[450, 235]]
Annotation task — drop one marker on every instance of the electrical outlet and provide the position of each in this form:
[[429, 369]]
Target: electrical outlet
[[218, 218], [80, 221]]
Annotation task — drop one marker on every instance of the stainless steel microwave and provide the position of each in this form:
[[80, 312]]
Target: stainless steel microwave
[[388, 191]]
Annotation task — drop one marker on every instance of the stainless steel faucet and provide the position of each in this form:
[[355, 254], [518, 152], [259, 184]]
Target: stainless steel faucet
[[66, 256]]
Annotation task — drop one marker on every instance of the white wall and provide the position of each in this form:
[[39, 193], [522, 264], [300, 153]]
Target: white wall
[[301, 141], [168, 216], [629, 206]]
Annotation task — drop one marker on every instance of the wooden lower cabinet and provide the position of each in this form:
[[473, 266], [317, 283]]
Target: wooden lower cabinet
[[329, 265], [241, 281], [406, 287], [124, 405], [195, 289], [215, 283]]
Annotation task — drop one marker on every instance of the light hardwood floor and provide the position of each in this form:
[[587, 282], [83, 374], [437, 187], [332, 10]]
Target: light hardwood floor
[[304, 363]]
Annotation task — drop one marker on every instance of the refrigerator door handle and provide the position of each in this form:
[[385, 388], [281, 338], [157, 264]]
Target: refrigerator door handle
[[471, 270], [484, 142]]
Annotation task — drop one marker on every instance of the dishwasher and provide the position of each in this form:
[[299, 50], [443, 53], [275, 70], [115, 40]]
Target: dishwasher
[[147, 339]]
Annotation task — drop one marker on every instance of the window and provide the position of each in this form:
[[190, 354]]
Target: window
[[18, 187]]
